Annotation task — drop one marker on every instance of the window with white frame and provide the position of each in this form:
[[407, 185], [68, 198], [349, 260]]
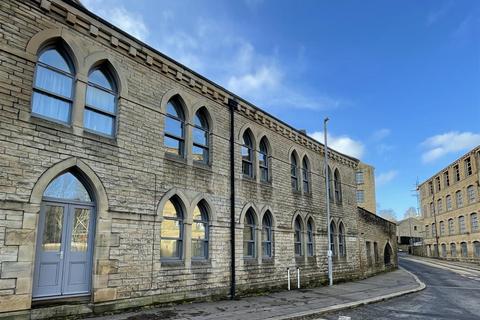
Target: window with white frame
[[459, 198]]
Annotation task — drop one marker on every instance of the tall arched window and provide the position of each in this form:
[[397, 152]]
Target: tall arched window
[[341, 240], [263, 160], [247, 155], [294, 171], [101, 102], [444, 250], [330, 189], [332, 238], [249, 238], [310, 238], [171, 231], [338, 186], [459, 198], [298, 235], [462, 228], [471, 194], [463, 249], [306, 175], [453, 250], [442, 228], [174, 139], [451, 226], [201, 137], [476, 249], [474, 222], [200, 232], [53, 85], [267, 235]]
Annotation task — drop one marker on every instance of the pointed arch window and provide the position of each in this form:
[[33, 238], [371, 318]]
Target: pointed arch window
[[330, 189], [298, 235], [337, 182], [201, 137], [264, 161], [310, 237], [53, 85], [342, 252], [171, 231], [306, 175], [249, 238], [67, 187], [333, 234], [294, 171], [174, 139], [101, 102], [200, 232], [247, 155], [267, 235]]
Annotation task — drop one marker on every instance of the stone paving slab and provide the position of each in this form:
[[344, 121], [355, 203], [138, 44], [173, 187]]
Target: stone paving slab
[[282, 304]]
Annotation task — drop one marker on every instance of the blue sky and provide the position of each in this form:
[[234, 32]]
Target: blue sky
[[400, 80]]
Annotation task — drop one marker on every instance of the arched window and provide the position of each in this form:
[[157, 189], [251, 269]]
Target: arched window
[[451, 226], [200, 232], [306, 175], [442, 228], [474, 222], [471, 194], [298, 235], [461, 225], [463, 249], [249, 238], [247, 155], [267, 235], [67, 187], [53, 85], [171, 231], [294, 171], [201, 137], [434, 230], [476, 249], [453, 249], [338, 186], [448, 200], [341, 240], [263, 160], [330, 189], [174, 139], [427, 231], [101, 102], [310, 238], [444, 250], [332, 238], [439, 206], [459, 198]]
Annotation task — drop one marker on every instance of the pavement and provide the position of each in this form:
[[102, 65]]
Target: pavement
[[292, 305], [452, 292]]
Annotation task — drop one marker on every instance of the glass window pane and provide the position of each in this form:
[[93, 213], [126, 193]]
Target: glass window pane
[[81, 220], [174, 127], [200, 154], [246, 155], [67, 186], [199, 249], [98, 122], [170, 211], [53, 81], [170, 228], [172, 145], [170, 248], [247, 233], [99, 78], [52, 234], [100, 99], [199, 230], [247, 169], [174, 110], [51, 107], [53, 58], [200, 136]]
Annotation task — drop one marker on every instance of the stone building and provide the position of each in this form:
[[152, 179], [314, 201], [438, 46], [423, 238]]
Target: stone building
[[409, 233], [365, 180], [128, 179], [450, 207]]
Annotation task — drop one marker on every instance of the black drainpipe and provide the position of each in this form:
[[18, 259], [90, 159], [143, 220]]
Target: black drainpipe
[[233, 105]]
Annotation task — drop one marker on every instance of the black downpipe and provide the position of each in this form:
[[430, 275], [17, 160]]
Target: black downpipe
[[233, 105]]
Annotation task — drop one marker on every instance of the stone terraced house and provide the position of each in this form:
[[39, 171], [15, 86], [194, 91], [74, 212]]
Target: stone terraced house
[[127, 179]]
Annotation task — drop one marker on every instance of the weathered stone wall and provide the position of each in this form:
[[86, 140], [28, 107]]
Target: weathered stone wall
[[372, 230], [132, 176]]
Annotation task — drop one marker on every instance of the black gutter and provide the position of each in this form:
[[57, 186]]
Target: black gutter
[[233, 105], [81, 8]]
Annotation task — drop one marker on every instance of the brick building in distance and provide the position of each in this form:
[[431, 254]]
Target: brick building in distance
[[128, 179], [450, 205]]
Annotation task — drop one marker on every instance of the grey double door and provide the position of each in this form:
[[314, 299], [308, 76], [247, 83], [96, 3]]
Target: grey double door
[[63, 261]]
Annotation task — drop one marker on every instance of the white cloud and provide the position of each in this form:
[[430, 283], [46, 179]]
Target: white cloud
[[381, 134], [386, 177], [265, 78], [130, 22], [343, 144], [450, 142], [388, 214], [438, 14]]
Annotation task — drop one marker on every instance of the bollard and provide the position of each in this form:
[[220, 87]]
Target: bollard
[[288, 277], [298, 277]]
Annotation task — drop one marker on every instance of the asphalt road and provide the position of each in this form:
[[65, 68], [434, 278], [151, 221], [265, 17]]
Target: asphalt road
[[448, 295]]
